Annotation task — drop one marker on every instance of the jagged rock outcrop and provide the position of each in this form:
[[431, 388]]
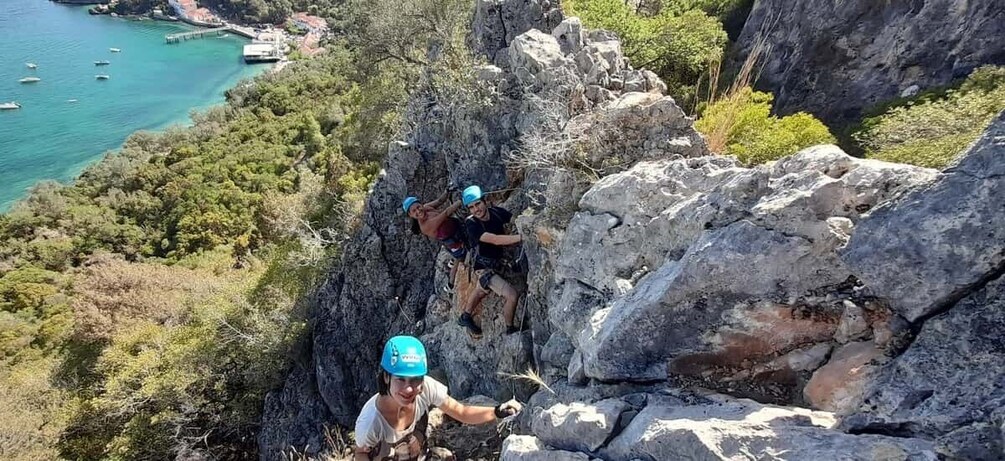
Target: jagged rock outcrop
[[834, 59], [932, 380], [653, 262], [715, 270]]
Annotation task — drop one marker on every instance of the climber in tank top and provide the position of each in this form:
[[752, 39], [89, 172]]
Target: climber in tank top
[[392, 424], [440, 225]]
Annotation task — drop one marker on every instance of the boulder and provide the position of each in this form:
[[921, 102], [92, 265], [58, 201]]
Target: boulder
[[956, 239], [674, 313], [578, 427], [529, 448], [569, 35], [497, 22]]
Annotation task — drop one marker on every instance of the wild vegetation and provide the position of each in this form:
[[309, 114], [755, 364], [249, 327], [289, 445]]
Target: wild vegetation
[[684, 42], [147, 308], [932, 128]]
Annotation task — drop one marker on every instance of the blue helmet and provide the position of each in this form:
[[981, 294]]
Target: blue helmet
[[404, 356], [471, 194], [409, 201]]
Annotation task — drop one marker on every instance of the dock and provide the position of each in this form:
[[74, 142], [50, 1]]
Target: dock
[[180, 37]]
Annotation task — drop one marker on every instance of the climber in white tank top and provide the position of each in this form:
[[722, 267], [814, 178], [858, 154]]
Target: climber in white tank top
[[392, 424]]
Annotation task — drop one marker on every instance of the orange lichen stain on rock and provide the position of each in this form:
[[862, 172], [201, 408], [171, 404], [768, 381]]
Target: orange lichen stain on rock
[[545, 236], [756, 334], [838, 385]]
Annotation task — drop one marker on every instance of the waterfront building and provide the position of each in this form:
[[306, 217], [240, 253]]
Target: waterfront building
[[262, 52]]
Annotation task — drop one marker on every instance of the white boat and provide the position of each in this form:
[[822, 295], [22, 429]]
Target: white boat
[[71, 101], [30, 80], [102, 63], [9, 106], [31, 65], [114, 50], [102, 77]]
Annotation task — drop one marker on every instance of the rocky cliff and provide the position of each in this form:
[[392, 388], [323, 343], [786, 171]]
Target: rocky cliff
[[680, 304], [834, 59]]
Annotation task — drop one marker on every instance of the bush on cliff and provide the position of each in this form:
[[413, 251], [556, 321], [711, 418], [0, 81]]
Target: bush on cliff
[[932, 129], [680, 43], [741, 124]]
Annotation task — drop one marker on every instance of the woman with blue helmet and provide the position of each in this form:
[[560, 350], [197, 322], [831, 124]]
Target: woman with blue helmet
[[439, 225], [392, 424]]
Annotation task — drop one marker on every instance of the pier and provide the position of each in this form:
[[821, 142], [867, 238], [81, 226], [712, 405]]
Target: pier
[[176, 38]]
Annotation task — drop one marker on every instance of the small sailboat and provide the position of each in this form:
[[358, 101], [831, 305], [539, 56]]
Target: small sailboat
[[30, 80], [102, 77], [102, 63], [10, 106], [114, 50], [31, 65]]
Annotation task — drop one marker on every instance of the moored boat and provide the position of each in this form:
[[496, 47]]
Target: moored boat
[[9, 106], [30, 80], [114, 50], [31, 65], [102, 63], [102, 77]]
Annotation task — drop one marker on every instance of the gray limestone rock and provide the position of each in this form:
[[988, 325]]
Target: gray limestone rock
[[674, 311], [578, 427], [956, 238], [977, 442], [529, 448], [950, 376], [746, 430], [497, 22], [570, 35], [576, 374], [297, 418]]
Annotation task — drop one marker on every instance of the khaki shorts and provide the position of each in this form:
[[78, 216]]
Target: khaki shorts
[[488, 280]]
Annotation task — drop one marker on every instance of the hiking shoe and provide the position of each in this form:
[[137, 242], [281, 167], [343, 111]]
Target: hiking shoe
[[467, 322]]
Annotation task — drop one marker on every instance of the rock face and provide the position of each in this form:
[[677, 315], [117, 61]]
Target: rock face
[[834, 59]]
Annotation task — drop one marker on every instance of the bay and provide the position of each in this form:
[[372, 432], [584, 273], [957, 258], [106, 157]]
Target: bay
[[151, 85]]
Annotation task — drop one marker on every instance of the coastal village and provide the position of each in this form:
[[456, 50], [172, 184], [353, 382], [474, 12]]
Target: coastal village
[[269, 43]]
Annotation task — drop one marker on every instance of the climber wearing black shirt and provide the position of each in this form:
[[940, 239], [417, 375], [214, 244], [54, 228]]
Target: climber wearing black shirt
[[486, 230]]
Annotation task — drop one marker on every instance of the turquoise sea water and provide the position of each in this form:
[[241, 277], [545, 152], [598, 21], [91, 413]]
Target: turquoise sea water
[[152, 85]]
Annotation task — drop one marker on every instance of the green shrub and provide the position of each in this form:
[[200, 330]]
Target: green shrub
[[741, 124], [933, 129], [679, 44]]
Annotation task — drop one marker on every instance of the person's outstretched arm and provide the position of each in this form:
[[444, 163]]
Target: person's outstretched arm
[[470, 414], [500, 240], [439, 200], [436, 221]]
